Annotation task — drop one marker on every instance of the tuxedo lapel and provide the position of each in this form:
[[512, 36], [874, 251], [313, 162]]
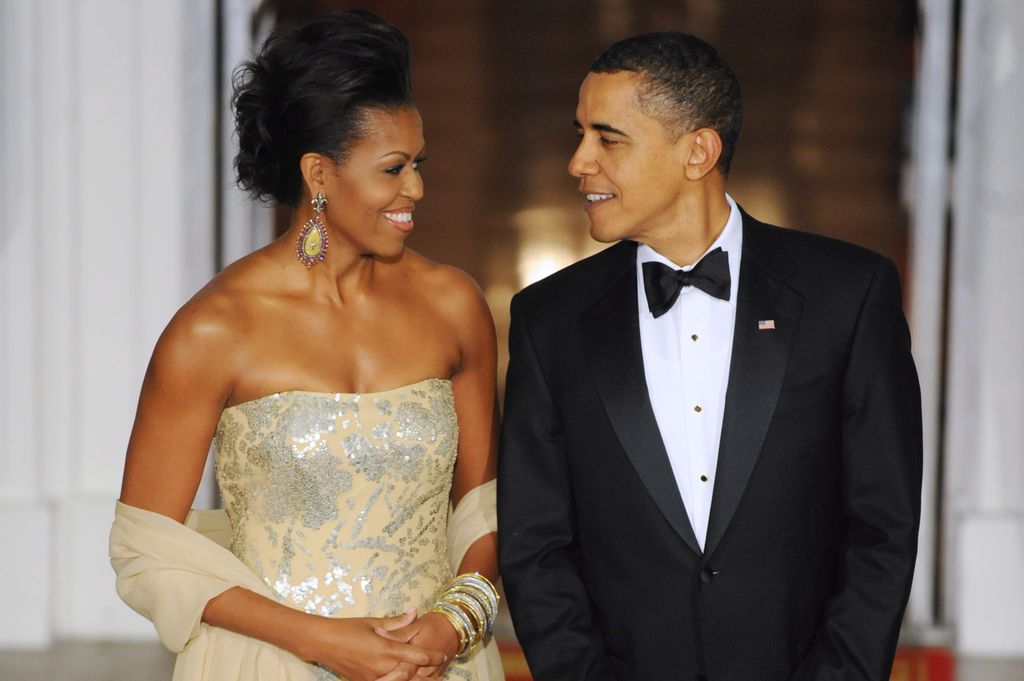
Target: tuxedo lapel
[[611, 329], [767, 313]]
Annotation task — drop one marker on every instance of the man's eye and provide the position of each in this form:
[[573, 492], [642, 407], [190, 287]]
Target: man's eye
[[607, 142]]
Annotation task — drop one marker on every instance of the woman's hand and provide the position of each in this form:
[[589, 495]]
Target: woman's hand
[[357, 648], [431, 631]]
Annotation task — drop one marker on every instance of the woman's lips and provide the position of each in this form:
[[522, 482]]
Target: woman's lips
[[401, 219]]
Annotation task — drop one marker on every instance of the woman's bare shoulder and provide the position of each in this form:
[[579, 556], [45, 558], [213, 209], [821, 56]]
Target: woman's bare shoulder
[[454, 296], [219, 314], [448, 289]]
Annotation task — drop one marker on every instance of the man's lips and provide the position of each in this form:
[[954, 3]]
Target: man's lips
[[592, 199]]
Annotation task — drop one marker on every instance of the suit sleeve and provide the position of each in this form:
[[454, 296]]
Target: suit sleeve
[[537, 544], [881, 450]]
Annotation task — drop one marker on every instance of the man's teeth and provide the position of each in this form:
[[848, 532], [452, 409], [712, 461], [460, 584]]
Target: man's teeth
[[400, 217], [598, 197]]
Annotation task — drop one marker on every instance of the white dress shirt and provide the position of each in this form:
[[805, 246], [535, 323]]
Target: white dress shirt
[[687, 352]]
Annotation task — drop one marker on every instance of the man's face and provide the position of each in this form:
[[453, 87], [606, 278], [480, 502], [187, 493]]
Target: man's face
[[631, 173]]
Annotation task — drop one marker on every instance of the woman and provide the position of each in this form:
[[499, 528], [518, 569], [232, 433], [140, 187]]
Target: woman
[[349, 385]]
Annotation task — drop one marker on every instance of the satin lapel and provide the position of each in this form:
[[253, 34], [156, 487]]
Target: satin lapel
[[611, 328], [759, 359]]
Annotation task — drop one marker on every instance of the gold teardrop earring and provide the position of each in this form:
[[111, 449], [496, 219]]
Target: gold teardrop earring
[[312, 244]]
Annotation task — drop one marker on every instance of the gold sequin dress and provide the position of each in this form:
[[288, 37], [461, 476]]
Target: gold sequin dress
[[338, 501]]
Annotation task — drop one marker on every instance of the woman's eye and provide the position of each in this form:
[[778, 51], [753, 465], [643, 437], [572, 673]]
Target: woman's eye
[[397, 170]]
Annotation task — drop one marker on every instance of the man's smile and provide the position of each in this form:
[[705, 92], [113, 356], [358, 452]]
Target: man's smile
[[593, 199]]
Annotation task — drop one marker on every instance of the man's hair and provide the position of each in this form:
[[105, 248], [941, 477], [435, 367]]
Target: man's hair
[[685, 85]]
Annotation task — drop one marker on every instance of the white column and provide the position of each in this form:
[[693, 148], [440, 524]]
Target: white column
[[985, 399], [25, 519], [106, 227], [929, 202]]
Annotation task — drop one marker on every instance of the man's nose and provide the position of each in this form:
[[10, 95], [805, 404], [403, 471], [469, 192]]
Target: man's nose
[[582, 162]]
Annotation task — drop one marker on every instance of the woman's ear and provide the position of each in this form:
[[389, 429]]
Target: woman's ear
[[703, 148], [312, 166]]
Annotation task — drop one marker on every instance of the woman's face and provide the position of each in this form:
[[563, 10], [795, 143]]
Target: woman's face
[[372, 194]]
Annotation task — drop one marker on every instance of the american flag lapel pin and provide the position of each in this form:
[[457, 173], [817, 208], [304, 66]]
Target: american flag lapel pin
[[766, 325]]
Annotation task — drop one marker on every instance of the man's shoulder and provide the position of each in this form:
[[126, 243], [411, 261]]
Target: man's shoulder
[[582, 282], [810, 252]]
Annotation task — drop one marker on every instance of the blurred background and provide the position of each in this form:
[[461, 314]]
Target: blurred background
[[890, 123]]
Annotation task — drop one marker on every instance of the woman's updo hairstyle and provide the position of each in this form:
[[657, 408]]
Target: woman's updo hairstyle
[[308, 90]]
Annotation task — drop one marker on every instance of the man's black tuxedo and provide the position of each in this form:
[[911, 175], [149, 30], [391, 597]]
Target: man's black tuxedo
[[813, 527]]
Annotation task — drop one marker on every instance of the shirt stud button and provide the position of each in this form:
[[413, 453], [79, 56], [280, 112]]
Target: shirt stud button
[[703, 478], [694, 338], [698, 409]]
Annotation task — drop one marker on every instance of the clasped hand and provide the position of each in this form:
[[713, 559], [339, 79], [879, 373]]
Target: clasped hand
[[396, 648], [431, 632]]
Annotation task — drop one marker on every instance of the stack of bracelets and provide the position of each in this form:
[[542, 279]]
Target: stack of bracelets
[[470, 604]]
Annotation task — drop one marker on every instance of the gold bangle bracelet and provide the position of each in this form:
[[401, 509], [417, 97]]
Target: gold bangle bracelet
[[477, 595], [472, 607], [477, 580], [479, 587]]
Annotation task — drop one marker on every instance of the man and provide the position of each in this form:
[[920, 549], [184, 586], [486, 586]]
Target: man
[[707, 472]]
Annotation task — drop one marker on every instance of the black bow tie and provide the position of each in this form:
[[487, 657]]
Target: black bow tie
[[662, 284]]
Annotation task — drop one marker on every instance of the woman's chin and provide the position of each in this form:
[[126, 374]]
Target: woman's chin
[[391, 253]]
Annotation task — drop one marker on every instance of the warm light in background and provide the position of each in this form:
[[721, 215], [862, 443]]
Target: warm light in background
[[550, 238], [546, 242], [763, 197]]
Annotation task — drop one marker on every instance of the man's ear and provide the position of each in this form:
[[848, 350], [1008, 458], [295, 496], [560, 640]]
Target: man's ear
[[313, 168], [703, 148]]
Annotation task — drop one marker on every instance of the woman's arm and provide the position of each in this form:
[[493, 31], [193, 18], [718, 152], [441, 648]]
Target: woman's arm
[[189, 379], [473, 384], [350, 646]]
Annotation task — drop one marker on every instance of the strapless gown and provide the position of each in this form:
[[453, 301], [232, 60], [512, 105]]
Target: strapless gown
[[339, 501]]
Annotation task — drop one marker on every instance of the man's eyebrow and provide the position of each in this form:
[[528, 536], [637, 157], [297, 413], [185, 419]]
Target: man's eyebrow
[[601, 127]]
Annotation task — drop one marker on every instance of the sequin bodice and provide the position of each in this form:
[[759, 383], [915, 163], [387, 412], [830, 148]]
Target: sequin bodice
[[339, 502]]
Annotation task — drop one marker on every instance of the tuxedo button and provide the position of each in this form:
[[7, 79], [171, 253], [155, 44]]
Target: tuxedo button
[[706, 575]]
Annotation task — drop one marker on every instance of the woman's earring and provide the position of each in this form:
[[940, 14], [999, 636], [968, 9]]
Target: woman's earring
[[312, 245]]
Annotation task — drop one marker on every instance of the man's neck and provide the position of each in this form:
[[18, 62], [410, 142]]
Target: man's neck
[[703, 216]]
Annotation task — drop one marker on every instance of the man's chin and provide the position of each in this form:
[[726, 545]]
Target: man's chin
[[604, 234]]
